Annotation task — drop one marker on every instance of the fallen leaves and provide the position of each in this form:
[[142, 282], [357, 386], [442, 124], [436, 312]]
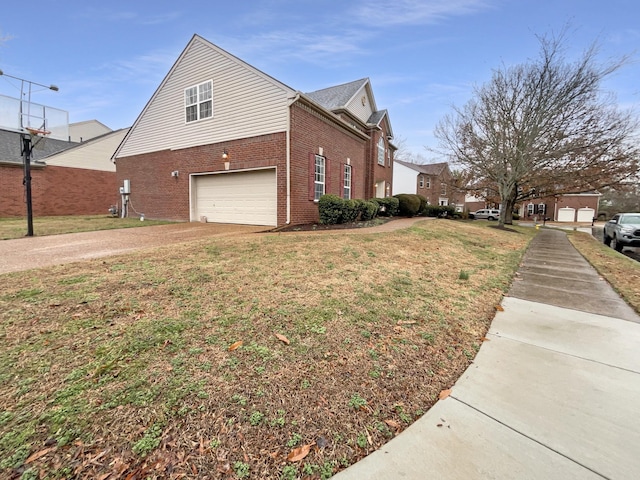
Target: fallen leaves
[[444, 394], [499, 308], [235, 345], [282, 338], [37, 455], [299, 453]]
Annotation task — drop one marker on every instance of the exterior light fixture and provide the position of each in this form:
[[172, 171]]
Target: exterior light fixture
[[225, 158]]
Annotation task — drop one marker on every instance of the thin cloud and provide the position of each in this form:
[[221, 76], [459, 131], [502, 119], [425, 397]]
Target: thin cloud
[[414, 12], [283, 45], [147, 68], [128, 16]]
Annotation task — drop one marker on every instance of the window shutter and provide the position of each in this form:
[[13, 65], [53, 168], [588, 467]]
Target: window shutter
[[312, 176], [327, 176], [342, 168], [353, 182]]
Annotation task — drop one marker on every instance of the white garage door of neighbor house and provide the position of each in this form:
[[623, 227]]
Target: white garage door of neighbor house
[[586, 214], [566, 214], [246, 198]]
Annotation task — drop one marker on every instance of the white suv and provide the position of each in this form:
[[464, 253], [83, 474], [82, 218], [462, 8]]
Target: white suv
[[485, 214]]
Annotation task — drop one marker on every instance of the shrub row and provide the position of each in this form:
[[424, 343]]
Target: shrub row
[[333, 210], [412, 205]]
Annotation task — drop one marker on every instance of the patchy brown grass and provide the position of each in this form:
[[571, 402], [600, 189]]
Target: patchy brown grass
[[621, 272], [123, 367], [17, 227]]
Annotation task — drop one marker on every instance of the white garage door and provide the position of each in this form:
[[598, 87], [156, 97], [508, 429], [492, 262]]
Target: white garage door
[[566, 214], [586, 214], [247, 198]]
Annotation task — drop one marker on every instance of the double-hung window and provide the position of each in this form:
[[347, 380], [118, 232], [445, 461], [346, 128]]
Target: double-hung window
[[381, 151], [346, 187], [319, 177], [421, 181], [198, 102]]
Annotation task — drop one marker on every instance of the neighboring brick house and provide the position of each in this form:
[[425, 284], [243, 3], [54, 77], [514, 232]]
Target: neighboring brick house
[[67, 178], [221, 141], [432, 181], [579, 207]]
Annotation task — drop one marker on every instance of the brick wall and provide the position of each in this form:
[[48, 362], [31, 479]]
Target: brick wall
[[158, 195], [57, 191], [379, 173], [309, 132]]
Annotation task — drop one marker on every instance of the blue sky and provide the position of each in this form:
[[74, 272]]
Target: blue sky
[[422, 56]]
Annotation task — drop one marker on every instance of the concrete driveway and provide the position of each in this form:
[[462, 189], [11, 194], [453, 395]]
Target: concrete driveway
[[35, 252]]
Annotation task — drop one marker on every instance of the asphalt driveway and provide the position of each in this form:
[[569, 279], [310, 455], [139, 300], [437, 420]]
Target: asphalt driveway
[[35, 252]]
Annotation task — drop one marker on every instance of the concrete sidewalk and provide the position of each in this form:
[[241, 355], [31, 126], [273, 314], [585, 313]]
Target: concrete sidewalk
[[553, 394]]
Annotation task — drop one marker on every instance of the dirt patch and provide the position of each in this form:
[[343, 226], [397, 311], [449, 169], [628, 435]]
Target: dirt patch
[[315, 227]]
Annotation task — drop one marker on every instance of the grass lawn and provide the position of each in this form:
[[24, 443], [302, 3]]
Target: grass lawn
[[277, 356], [621, 272], [17, 227]]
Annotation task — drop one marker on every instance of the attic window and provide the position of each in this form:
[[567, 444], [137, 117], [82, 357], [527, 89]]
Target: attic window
[[198, 102]]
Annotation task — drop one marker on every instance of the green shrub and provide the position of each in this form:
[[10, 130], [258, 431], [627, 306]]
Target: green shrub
[[409, 204], [368, 210], [350, 211], [515, 216], [423, 205], [388, 206], [330, 209], [440, 211]]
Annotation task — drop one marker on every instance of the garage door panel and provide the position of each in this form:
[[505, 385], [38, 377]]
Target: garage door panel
[[248, 198]]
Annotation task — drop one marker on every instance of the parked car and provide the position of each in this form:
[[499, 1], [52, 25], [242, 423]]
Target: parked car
[[623, 230], [485, 214]]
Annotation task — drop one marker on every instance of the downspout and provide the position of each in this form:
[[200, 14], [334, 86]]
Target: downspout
[[288, 136]]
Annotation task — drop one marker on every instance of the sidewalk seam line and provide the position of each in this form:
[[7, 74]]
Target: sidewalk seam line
[[565, 353], [529, 437]]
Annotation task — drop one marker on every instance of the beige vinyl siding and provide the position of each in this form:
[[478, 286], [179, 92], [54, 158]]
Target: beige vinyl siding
[[83, 131], [92, 155], [356, 108], [246, 103]]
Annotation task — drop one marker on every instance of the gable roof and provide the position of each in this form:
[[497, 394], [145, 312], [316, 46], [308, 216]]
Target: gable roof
[[338, 96], [144, 134], [196, 42], [433, 169]]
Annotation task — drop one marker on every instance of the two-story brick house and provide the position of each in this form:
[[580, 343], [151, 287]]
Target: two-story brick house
[[221, 141], [432, 181]]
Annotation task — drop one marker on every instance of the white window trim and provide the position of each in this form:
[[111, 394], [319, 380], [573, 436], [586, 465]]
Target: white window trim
[[421, 182], [427, 183], [200, 88], [346, 187], [319, 177], [530, 209]]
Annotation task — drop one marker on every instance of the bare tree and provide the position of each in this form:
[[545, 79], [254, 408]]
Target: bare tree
[[542, 128]]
